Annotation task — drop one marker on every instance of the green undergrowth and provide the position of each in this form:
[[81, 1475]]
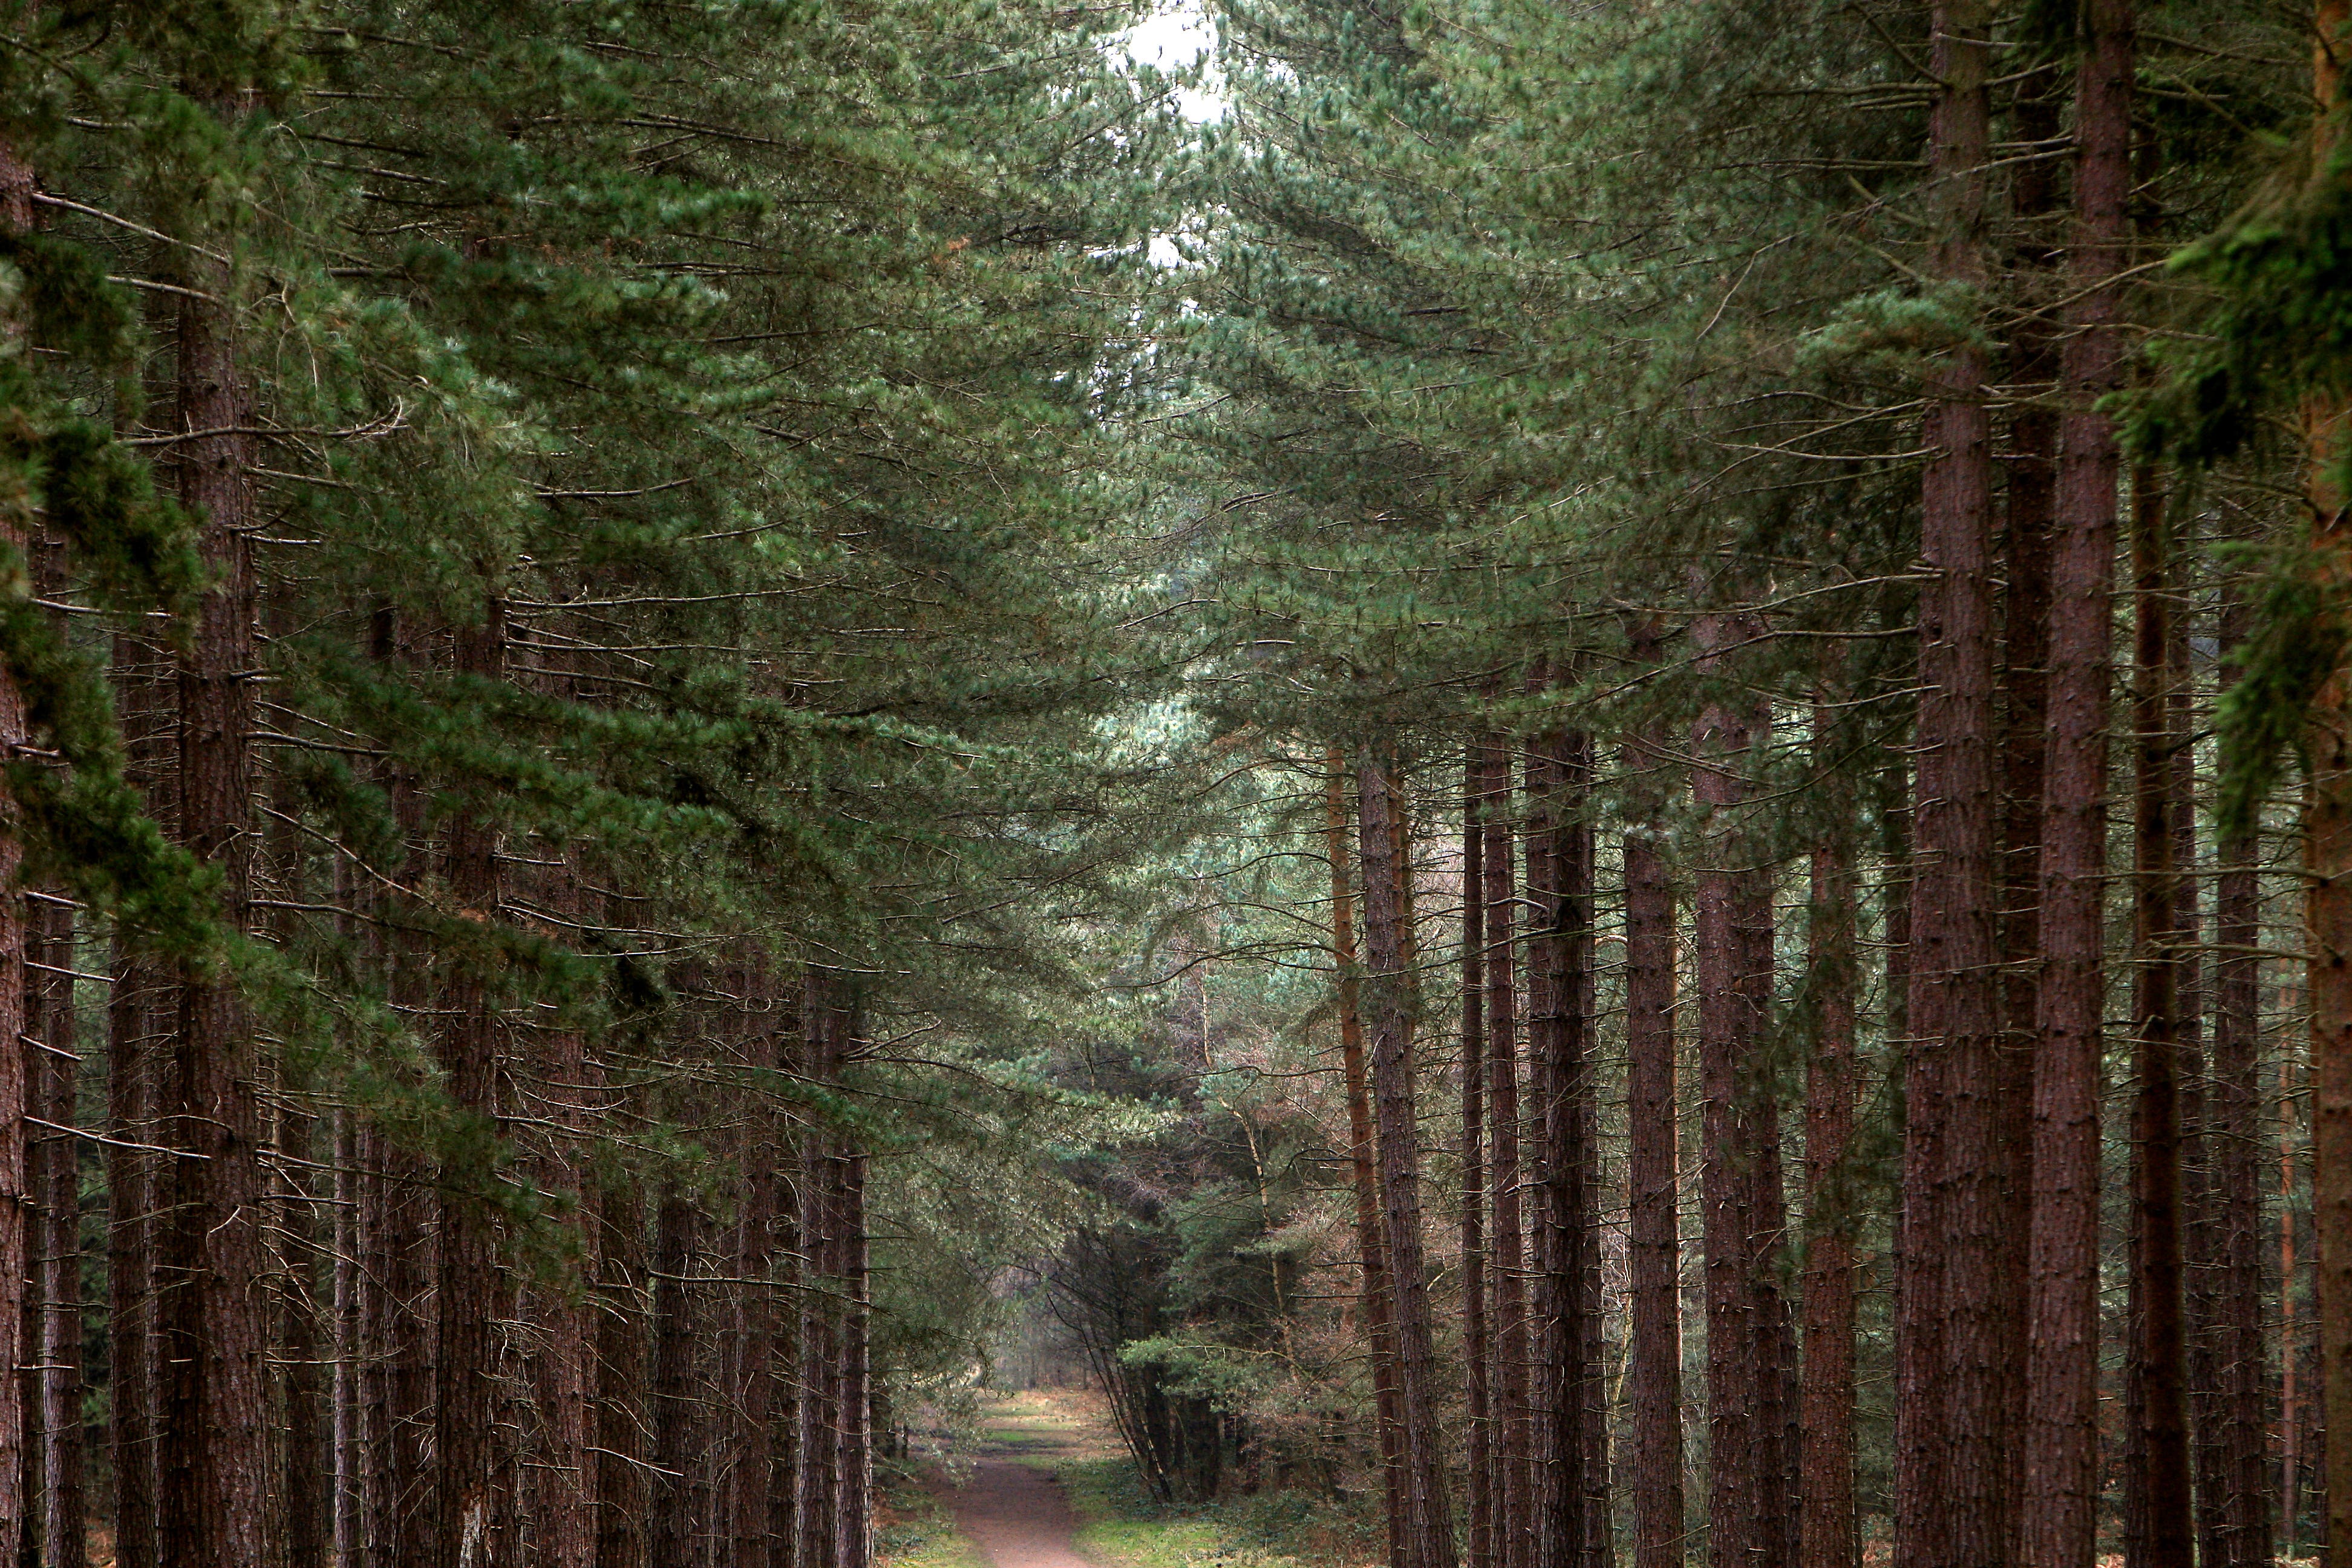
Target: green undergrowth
[[916, 1529], [1121, 1525]]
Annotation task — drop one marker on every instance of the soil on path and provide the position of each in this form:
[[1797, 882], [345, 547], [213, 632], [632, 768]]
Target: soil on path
[[1014, 1511]]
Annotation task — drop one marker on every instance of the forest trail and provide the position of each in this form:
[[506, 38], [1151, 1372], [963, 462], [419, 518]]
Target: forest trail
[[1014, 1509]]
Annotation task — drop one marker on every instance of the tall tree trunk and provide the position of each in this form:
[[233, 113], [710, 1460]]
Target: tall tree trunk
[[754, 1330], [2062, 1487], [214, 1439], [622, 1498], [1370, 1249], [2203, 1237], [676, 1227], [1826, 1528], [1739, 1181], [819, 1410], [397, 1300], [305, 1496], [135, 1020], [17, 1195], [62, 1531], [2327, 910], [2234, 1108], [1507, 1247], [565, 1380], [1949, 1468], [2031, 475], [1574, 1493], [854, 1459], [465, 1456], [2158, 1352], [1654, 1347], [1477, 1343], [1429, 1529]]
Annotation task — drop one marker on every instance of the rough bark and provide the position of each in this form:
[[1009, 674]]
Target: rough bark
[[2032, 476], [1573, 1496], [306, 1494], [564, 1373], [2061, 1509], [1477, 1343], [1654, 1347], [2234, 1118], [16, 1194], [213, 1440], [2159, 1448], [65, 1506], [676, 1238], [1825, 1491], [1370, 1249], [2327, 905], [819, 1411], [852, 1514], [136, 1018], [1428, 1521], [1949, 1467], [1739, 1183], [1505, 1243], [750, 1513], [465, 1456], [622, 1494]]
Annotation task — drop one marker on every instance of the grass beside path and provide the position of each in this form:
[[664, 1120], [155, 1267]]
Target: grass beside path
[[1121, 1525]]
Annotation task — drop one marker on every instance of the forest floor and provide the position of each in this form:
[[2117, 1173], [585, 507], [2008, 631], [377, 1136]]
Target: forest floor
[[1050, 1486]]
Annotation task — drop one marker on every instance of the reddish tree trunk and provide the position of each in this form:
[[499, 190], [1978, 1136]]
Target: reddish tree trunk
[[1370, 1249], [1949, 1467], [1573, 1493], [750, 1513], [1428, 1528], [2328, 879], [17, 1192], [1506, 1246], [1739, 1183], [135, 1022], [622, 1498], [1477, 1346], [465, 1459], [565, 1370], [1654, 1347], [2031, 471], [677, 1237], [2158, 1352], [2060, 1522], [2234, 1109], [62, 1531], [819, 1411], [214, 1438], [1826, 1525], [854, 1450]]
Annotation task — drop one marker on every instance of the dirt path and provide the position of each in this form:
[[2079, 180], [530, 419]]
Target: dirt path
[[1017, 1515], [1017, 1512]]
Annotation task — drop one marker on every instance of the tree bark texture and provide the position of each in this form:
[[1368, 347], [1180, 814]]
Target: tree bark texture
[[1825, 1492], [1655, 1348], [214, 1441], [1370, 1247], [1506, 1238], [1951, 1507], [1740, 1184], [1429, 1531], [2059, 1523], [2235, 1119], [1477, 1343], [2159, 1448]]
